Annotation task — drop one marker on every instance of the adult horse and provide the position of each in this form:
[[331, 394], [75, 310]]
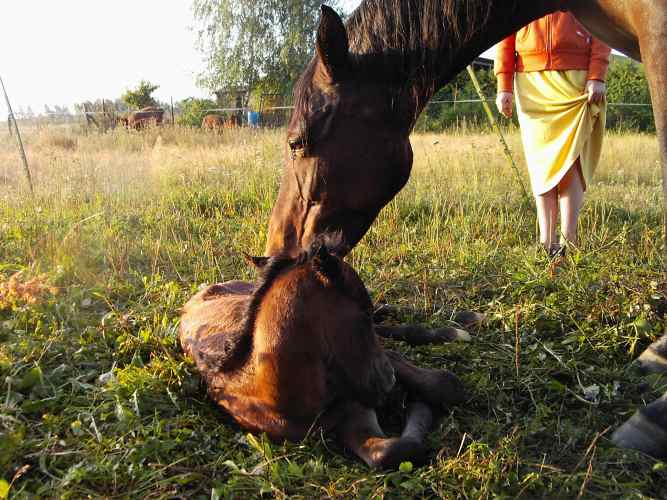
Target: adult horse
[[213, 123], [348, 150], [145, 117], [298, 351]]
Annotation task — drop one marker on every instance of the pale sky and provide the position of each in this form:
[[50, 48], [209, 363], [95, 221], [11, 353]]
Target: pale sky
[[67, 51]]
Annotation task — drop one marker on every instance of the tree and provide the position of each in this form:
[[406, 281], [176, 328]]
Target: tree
[[193, 111], [251, 42], [140, 97], [627, 83]]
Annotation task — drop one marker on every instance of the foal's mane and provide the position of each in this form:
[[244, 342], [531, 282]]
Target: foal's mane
[[322, 249], [230, 351]]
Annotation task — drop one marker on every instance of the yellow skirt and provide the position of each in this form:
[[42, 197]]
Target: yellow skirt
[[558, 126]]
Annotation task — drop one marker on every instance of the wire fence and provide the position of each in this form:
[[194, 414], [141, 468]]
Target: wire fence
[[438, 114]]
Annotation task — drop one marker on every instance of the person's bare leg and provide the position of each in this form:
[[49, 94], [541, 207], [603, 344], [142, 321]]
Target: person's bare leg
[[547, 217], [571, 199]]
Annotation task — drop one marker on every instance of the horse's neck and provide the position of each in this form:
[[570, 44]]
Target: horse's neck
[[423, 70], [506, 17]]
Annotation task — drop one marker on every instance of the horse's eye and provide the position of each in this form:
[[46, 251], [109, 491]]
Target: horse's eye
[[298, 146]]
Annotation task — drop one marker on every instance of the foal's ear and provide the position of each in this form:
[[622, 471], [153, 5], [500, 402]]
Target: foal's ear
[[258, 262], [326, 264], [332, 45]]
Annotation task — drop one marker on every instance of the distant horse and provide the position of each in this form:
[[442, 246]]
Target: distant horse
[[145, 117], [213, 122], [348, 149], [233, 122], [298, 351]]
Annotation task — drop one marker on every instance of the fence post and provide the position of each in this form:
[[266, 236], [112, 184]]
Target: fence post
[[11, 117], [104, 120], [173, 119]]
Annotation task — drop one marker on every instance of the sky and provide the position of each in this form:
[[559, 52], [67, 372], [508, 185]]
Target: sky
[[67, 51]]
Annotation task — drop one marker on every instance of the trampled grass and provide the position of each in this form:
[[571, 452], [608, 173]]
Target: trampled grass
[[97, 400]]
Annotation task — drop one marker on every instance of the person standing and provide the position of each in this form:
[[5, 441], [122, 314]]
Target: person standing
[[557, 72]]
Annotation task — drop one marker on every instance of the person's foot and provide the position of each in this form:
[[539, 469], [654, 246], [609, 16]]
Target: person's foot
[[557, 251]]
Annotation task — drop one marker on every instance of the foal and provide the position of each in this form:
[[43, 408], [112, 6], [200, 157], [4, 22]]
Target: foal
[[298, 351]]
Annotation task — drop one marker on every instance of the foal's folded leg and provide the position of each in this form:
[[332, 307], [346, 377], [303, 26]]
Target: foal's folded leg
[[361, 433], [465, 319], [418, 335], [438, 388]]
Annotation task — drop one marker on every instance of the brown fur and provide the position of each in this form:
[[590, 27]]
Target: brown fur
[[213, 123], [145, 117], [298, 351]]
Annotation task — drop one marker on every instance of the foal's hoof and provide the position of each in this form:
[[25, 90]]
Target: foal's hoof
[[391, 452], [469, 319], [449, 334], [654, 358]]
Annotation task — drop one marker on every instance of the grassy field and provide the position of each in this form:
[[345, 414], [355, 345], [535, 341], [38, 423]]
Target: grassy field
[[96, 398]]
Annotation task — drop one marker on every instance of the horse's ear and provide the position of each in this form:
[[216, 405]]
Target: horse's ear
[[258, 262], [332, 45]]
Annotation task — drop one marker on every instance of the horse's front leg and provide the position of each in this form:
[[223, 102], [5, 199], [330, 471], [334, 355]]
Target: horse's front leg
[[647, 430], [654, 358], [653, 44], [438, 388]]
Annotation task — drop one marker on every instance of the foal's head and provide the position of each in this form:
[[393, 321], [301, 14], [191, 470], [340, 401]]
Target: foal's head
[[314, 310]]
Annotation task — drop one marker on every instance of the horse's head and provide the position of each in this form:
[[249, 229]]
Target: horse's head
[[347, 148], [316, 315]]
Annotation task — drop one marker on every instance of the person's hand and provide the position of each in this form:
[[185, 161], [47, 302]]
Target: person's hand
[[504, 103], [596, 91]]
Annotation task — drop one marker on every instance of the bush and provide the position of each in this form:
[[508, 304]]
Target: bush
[[141, 96], [437, 117], [626, 83]]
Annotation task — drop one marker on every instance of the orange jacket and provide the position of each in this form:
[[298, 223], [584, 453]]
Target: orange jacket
[[555, 42]]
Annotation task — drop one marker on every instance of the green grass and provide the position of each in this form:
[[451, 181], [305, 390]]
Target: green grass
[[96, 398]]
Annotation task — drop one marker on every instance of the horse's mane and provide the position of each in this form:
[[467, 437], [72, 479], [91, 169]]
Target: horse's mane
[[412, 33], [403, 43]]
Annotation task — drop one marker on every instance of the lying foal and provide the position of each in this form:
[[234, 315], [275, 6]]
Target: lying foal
[[299, 350]]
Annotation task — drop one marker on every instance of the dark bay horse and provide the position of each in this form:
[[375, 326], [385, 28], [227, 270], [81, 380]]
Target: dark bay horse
[[298, 351], [348, 150]]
